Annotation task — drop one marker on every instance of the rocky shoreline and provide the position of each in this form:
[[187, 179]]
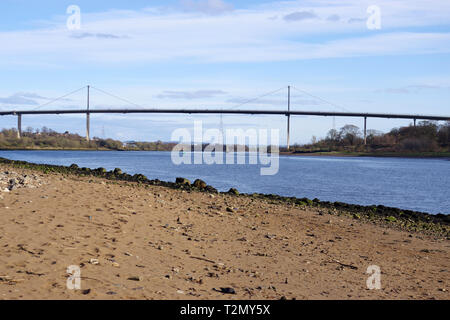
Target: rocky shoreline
[[436, 224]]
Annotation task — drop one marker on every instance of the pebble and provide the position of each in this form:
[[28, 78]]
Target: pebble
[[135, 278], [227, 290], [86, 291]]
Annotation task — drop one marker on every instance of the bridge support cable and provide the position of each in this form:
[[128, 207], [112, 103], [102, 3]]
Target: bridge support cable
[[19, 115], [59, 98], [257, 98], [108, 94], [321, 99], [117, 97]]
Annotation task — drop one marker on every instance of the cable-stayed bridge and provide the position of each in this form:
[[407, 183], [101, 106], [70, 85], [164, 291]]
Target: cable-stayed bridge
[[142, 110]]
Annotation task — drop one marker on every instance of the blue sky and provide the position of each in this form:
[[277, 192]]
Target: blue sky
[[219, 53]]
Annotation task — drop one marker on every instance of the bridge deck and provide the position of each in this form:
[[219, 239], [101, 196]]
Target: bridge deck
[[217, 111]]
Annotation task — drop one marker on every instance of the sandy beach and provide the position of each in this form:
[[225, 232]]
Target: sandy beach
[[135, 241]]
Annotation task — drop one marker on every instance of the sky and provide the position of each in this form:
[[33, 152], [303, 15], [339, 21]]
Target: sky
[[222, 54]]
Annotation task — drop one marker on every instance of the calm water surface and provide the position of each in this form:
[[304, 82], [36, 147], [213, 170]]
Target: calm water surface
[[416, 184]]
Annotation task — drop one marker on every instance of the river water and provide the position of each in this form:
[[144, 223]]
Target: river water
[[415, 184]]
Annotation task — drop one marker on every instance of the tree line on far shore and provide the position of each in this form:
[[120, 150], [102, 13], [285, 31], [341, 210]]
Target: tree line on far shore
[[46, 138], [426, 136]]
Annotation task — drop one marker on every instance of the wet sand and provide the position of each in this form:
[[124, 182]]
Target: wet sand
[[153, 242]]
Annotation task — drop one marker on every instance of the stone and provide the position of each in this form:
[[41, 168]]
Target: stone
[[86, 291], [227, 290], [139, 177], [211, 189], [233, 191], [200, 184], [183, 181]]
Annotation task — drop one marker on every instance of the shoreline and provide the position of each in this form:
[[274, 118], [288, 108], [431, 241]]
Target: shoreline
[[427, 155], [420, 155], [409, 220]]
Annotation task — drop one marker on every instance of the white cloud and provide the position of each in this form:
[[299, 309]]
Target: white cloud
[[300, 15], [96, 35], [17, 99], [153, 35]]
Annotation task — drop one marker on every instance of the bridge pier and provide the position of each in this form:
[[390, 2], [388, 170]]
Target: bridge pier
[[19, 126], [88, 128], [288, 132], [88, 124], [365, 130], [289, 118]]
